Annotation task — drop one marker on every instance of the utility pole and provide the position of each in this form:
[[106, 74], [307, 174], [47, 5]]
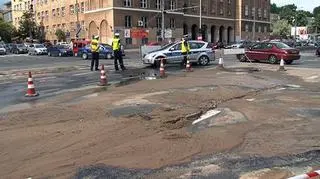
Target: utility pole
[[200, 18], [78, 23], [254, 20], [162, 21]]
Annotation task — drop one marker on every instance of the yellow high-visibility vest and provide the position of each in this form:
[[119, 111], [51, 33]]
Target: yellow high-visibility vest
[[185, 48], [94, 45], [116, 44]]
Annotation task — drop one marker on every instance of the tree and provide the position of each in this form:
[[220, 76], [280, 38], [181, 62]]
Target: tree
[[274, 9], [61, 35], [301, 17], [281, 28], [288, 12], [28, 27], [6, 31], [316, 11], [316, 22]]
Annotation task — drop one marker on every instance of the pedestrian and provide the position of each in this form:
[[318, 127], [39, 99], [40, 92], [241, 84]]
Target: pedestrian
[[95, 53], [116, 47], [185, 50]]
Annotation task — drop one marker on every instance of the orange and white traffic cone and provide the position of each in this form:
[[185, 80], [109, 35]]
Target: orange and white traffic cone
[[188, 66], [31, 92], [103, 77], [220, 65], [162, 71], [281, 68]]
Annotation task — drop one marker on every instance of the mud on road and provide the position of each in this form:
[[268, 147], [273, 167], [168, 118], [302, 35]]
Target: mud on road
[[266, 127]]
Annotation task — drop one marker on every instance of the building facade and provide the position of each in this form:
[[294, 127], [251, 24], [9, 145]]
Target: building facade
[[18, 8], [7, 12], [139, 21]]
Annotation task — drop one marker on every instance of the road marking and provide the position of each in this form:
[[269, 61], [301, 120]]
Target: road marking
[[207, 115], [312, 77], [80, 74]]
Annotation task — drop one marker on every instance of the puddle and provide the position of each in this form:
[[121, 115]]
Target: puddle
[[133, 110], [242, 69], [310, 113]]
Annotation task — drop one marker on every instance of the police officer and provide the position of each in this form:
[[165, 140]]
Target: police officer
[[185, 50], [116, 47], [95, 53]]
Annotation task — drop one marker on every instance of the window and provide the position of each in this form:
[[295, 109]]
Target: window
[[63, 11], [259, 12], [47, 14], [158, 22], [145, 22], [127, 21], [259, 29], [38, 15], [82, 25], [127, 3], [172, 4], [42, 15], [281, 45], [221, 11], [72, 28], [213, 8], [247, 28], [253, 11], [158, 4], [76, 8], [177, 47], [58, 11], [229, 12], [246, 10], [265, 29], [63, 26], [229, 1], [265, 13], [143, 3], [71, 7], [196, 45], [53, 12], [257, 46], [172, 23]]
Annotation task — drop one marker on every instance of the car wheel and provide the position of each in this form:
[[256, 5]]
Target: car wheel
[[204, 60], [288, 62], [108, 56], [242, 58], [273, 59], [84, 56]]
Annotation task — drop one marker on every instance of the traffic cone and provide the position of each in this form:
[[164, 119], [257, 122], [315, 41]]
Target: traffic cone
[[162, 71], [281, 68], [188, 66], [31, 92], [103, 77], [221, 63]]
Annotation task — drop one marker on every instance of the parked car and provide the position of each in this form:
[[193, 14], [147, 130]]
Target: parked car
[[241, 44], [19, 48], [37, 49], [104, 52], [59, 50], [3, 50], [109, 46], [271, 52], [318, 52], [201, 52], [9, 47], [77, 45]]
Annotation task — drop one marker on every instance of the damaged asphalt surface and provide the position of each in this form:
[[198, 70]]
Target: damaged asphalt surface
[[267, 127]]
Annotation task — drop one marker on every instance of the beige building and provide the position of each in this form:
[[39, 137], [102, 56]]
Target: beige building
[[18, 8], [139, 21]]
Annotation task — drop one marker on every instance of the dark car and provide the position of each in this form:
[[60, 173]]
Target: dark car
[[59, 50], [104, 52], [318, 52], [19, 48], [271, 52], [9, 47]]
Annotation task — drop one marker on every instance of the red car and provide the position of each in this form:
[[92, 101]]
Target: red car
[[271, 52]]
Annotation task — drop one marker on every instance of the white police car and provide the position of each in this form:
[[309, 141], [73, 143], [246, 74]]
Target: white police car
[[200, 52]]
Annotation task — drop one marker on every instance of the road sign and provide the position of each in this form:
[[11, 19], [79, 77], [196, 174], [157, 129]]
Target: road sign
[[127, 33], [168, 33]]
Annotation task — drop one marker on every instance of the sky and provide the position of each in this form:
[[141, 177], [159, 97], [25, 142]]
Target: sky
[[307, 5]]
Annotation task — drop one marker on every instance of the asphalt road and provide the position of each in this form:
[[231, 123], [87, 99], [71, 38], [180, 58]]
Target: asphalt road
[[51, 84]]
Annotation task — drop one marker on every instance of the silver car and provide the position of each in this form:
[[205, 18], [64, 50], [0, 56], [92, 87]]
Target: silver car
[[200, 52], [37, 49]]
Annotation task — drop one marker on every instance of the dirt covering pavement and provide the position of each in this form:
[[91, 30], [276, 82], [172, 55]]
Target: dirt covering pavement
[[147, 126]]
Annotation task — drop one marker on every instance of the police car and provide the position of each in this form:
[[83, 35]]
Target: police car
[[200, 52]]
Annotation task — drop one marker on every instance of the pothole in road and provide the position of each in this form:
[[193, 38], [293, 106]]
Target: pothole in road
[[140, 110], [242, 69], [218, 117]]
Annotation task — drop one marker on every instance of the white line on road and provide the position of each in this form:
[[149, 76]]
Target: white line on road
[[81, 74], [46, 78]]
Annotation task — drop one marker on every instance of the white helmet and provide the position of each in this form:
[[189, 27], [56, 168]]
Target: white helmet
[[116, 34], [96, 37]]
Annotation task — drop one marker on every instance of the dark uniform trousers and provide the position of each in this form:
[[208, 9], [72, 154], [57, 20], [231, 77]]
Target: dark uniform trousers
[[118, 56], [95, 60]]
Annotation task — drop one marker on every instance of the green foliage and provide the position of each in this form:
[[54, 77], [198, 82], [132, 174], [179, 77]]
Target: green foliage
[[316, 11], [28, 27], [61, 35], [275, 9], [316, 22], [281, 28], [6, 31]]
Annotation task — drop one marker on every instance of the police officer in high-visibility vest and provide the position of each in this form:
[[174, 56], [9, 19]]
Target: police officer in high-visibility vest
[[116, 47], [95, 53], [185, 50]]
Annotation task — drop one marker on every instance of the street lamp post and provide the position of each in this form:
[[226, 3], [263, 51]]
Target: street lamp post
[[200, 18]]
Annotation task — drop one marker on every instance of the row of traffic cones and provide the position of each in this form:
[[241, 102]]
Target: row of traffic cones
[[162, 70], [281, 68]]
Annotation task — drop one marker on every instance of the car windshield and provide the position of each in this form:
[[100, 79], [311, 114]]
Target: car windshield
[[20, 45], [282, 45], [39, 46], [106, 45]]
